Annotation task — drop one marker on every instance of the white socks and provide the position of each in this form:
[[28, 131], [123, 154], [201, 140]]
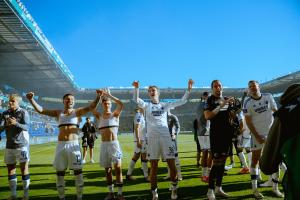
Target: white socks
[[60, 185], [13, 185], [254, 174], [131, 167], [26, 183], [120, 188], [249, 158], [204, 171], [79, 184], [111, 188], [242, 159], [145, 168], [178, 167]]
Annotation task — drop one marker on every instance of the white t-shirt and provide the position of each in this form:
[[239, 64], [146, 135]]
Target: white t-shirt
[[156, 115], [260, 111], [140, 120]]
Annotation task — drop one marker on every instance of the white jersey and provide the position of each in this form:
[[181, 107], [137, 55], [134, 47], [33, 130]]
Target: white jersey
[[111, 122], [260, 111], [156, 115], [66, 120], [140, 120]]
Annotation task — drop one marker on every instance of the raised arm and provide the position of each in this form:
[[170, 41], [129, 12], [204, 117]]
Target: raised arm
[[83, 110], [136, 86], [119, 103], [96, 114], [40, 109], [136, 98], [185, 97]]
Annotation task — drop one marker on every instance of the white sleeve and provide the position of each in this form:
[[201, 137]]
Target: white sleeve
[[141, 103], [273, 103], [137, 118], [246, 110], [240, 116], [137, 100], [179, 102]]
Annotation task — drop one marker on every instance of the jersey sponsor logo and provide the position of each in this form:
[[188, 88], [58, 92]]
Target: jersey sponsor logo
[[261, 109], [157, 111]]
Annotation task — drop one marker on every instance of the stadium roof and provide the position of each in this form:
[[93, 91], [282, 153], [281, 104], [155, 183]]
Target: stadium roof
[[28, 60]]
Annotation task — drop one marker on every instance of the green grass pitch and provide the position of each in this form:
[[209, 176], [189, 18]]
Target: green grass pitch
[[43, 176]]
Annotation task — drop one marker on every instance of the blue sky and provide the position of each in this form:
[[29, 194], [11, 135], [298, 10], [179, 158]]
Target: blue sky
[[165, 42]]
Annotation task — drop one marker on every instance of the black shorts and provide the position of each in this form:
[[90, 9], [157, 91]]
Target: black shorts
[[220, 143], [88, 142]]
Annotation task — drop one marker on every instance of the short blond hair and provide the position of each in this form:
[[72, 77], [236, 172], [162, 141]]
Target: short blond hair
[[16, 97]]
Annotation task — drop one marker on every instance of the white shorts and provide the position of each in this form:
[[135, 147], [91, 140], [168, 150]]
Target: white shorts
[[110, 153], [243, 142], [21, 155], [140, 150], [67, 155], [161, 147], [204, 142], [256, 145]]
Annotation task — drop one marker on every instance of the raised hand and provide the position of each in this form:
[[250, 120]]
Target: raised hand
[[190, 84], [99, 92], [30, 95], [136, 84], [108, 91]]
